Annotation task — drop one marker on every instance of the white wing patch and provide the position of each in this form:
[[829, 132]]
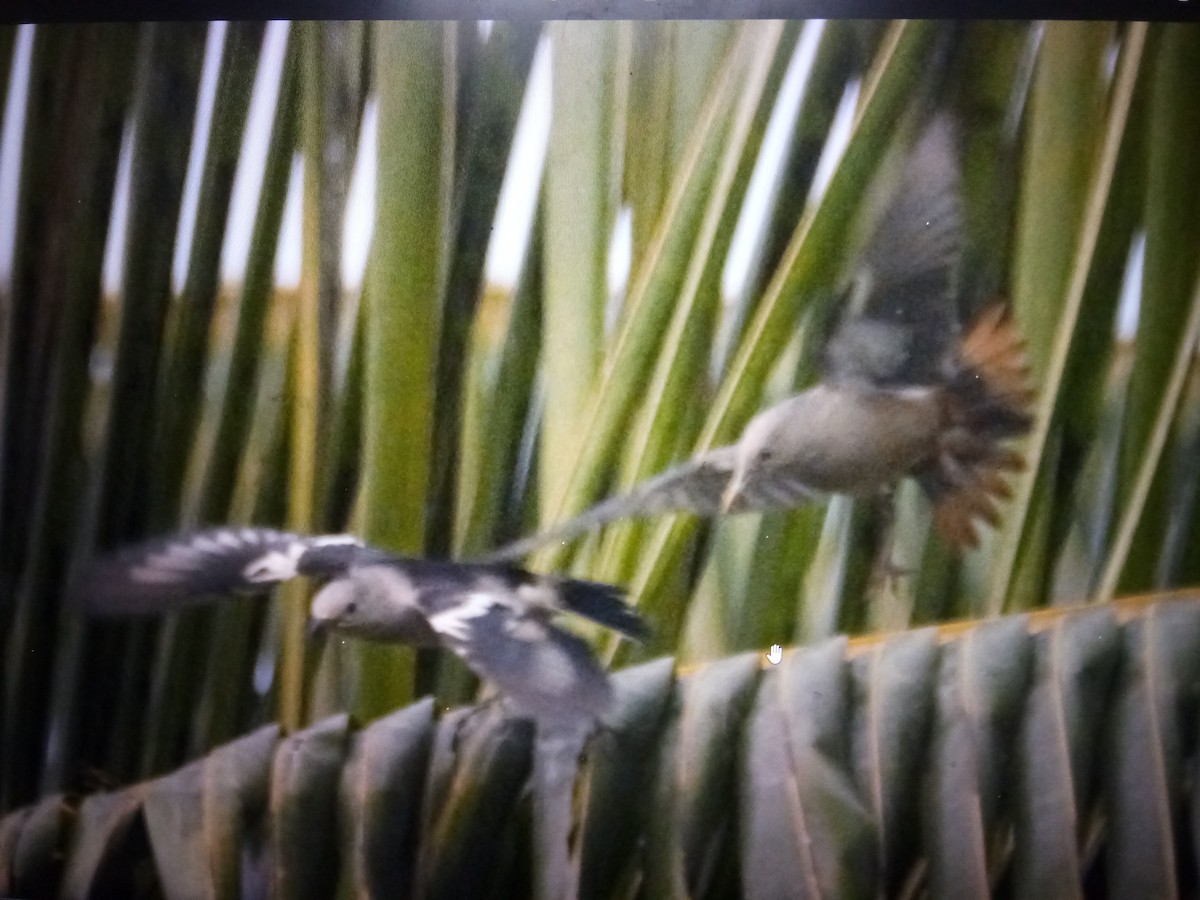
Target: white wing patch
[[455, 622], [282, 564], [334, 540], [278, 565], [229, 539]]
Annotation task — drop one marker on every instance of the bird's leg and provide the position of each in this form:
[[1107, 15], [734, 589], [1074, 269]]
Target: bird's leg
[[884, 569]]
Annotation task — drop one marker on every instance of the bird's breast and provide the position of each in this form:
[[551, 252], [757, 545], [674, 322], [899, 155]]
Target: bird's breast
[[854, 441]]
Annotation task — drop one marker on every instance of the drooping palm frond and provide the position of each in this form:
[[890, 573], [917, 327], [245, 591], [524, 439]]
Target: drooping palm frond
[[1040, 754]]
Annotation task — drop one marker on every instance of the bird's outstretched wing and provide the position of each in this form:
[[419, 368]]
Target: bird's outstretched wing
[[696, 486], [189, 568], [546, 672], [900, 320]]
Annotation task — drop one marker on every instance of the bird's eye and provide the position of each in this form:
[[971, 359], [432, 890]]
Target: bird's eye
[[351, 607]]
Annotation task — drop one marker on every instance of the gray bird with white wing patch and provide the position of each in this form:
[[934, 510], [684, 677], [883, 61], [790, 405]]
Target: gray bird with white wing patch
[[498, 618]]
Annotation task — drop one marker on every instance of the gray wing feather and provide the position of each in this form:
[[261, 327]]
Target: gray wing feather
[[695, 486], [901, 319], [178, 571], [921, 232], [782, 489], [544, 671]]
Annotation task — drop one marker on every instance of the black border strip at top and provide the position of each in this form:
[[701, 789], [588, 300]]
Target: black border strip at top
[[180, 10]]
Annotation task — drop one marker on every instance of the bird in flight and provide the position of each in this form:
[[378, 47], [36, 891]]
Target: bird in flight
[[903, 392], [497, 617]]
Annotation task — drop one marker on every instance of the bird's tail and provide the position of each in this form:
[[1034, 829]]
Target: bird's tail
[[987, 403], [604, 604]]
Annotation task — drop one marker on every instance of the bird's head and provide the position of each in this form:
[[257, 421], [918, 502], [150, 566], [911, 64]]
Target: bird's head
[[755, 454], [372, 603], [341, 606]]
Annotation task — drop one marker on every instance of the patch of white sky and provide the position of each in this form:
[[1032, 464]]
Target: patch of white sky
[[515, 210], [291, 229], [10, 148], [1130, 303], [835, 145], [359, 224], [620, 262], [517, 203], [110, 276], [247, 181], [252, 164], [767, 176], [213, 49], [114, 250]]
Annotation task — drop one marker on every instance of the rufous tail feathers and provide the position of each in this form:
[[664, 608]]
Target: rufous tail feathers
[[988, 401]]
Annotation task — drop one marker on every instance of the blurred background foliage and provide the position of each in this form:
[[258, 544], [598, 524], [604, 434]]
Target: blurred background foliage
[[704, 188]]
